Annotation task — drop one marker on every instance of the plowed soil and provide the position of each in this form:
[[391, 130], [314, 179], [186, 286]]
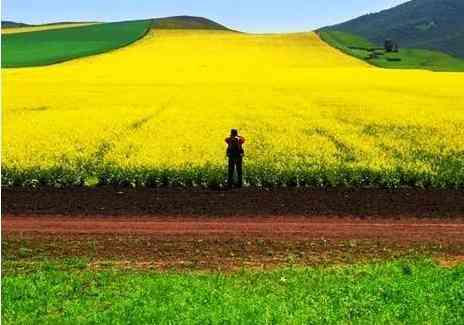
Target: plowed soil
[[275, 227], [165, 228], [248, 201]]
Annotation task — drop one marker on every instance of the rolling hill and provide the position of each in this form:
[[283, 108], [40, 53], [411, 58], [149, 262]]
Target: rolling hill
[[38, 48], [12, 24], [35, 45], [421, 24], [173, 22], [313, 116], [405, 58], [44, 27], [7, 24], [186, 22]]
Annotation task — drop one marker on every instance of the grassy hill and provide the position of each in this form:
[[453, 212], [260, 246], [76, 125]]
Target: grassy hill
[[36, 28], [36, 45], [58, 45], [406, 58], [174, 22], [186, 22], [12, 24], [425, 24]]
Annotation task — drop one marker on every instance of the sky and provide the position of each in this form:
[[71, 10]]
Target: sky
[[244, 15]]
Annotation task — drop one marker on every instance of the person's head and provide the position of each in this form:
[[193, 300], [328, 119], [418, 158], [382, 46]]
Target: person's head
[[233, 132]]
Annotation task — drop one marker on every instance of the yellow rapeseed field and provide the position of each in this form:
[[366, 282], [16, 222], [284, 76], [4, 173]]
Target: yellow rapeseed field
[[157, 112]]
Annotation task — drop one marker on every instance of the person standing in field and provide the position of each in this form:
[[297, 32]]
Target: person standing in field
[[235, 154]]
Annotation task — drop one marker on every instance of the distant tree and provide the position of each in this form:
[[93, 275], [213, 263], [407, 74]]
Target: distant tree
[[389, 45]]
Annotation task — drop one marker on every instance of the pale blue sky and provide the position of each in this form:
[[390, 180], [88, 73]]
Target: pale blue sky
[[245, 15]]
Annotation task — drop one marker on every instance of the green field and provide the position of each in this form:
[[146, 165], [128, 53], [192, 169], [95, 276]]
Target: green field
[[54, 46], [400, 292], [405, 59]]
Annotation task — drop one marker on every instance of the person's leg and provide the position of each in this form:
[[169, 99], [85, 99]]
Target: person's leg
[[230, 175], [239, 171]]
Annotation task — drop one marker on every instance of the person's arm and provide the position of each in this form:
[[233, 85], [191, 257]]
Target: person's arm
[[227, 140], [242, 140]]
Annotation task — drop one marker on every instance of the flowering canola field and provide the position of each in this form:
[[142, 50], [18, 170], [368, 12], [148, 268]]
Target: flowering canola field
[[157, 112]]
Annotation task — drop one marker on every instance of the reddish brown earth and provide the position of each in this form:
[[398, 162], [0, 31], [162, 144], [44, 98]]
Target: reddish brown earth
[[270, 227], [214, 229]]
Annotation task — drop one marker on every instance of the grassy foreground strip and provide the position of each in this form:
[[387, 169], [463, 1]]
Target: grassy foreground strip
[[53, 46], [408, 292], [405, 59]]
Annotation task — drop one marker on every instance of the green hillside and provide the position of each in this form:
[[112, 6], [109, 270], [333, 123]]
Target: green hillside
[[406, 58], [58, 45], [12, 24], [186, 22], [422, 24]]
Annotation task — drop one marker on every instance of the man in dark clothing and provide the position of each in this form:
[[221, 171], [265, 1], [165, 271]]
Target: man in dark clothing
[[235, 154]]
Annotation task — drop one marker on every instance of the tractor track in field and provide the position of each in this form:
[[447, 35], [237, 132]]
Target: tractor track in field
[[166, 228]]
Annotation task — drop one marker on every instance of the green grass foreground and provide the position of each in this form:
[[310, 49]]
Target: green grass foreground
[[406, 292], [58, 45], [406, 58]]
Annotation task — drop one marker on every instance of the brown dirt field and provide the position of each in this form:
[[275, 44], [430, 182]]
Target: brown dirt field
[[248, 201], [164, 228], [271, 227]]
